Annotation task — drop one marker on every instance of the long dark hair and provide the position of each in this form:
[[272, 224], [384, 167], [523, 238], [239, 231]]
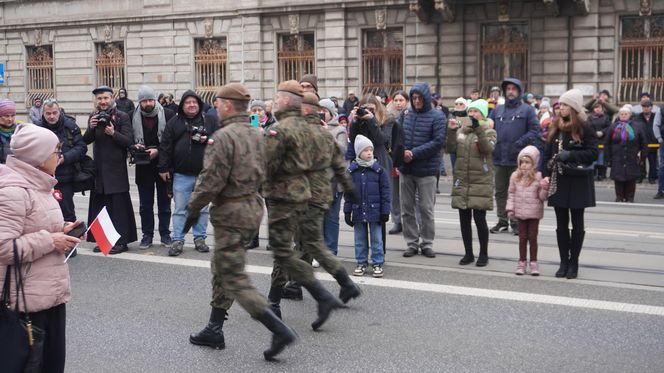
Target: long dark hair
[[574, 126]]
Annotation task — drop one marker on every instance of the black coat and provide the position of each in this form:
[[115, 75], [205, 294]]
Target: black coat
[[646, 126], [148, 173], [600, 124], [574, 192], [110, 154], [125, 105], [72, 150], [622, 158]]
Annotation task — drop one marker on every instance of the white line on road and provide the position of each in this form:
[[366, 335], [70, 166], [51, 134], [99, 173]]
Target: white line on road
[[420, 286]]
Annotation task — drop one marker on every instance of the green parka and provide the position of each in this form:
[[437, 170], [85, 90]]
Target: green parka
[[473, 170]]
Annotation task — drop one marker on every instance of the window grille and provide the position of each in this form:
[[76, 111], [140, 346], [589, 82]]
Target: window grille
[[296, 56], [641, 52], [110, 65], [382, 61], [39, 66], [504, 53]]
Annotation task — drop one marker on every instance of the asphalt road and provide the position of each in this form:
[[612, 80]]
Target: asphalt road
[[133, 312]]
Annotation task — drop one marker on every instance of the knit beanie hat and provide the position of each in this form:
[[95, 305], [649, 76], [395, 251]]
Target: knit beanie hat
[[311, 79], [33, 144], [258, 103], [461, 100], [574, 99], [329, 105], [361, 143], [7, 107], [480, 105], [146, 93]]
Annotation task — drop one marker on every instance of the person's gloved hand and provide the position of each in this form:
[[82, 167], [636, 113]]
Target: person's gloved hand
[[564, 155], [384, 218], [349, 221], [192, 218], [475, 123]]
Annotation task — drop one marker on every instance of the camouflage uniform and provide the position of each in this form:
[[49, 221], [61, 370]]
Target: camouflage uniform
[[290, 151], [310, 224], [233, 171]]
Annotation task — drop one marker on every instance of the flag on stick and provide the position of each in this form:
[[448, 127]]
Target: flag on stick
[[104, 232]]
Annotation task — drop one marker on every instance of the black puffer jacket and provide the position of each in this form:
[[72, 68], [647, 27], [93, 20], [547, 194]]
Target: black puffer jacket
[[177, 152], [73, 146]]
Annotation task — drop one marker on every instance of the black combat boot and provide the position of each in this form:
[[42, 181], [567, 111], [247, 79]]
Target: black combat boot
[[326, 303], [253, 244], [282, 334], [349, 289], [292, 290], [212, 335], [577, 244], [274, 298], [562, 235]]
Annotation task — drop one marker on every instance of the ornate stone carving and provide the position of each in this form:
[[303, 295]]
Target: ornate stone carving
[[503, 10], [208, 28], [38, 37], [414, 6], [294, 23], [552, 6], [645, 9], [108, 33], [381, 19], [583, 6]]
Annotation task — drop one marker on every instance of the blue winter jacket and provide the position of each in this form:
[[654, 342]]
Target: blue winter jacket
[[373, 185], [516, 127], [424, 134], [73, 146]]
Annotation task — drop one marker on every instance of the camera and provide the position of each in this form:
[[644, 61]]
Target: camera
[[361, 111], [197, 133], [103, 119], [138, 156]]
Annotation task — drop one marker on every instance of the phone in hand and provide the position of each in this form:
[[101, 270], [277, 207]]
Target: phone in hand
[[322, 116], [78, 230], [255, 120]]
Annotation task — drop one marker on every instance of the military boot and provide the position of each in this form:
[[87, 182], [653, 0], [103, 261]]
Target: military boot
[[274, 299], [212, 335], [576, 245], [326, 303], [292, 290], [282, 334], [349, 289], [563, 238]]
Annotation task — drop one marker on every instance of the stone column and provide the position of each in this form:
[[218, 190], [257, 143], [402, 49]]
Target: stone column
[[331, 55]]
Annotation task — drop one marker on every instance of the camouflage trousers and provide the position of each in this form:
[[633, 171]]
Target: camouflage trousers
[[309, 239], [283, 220], [229, 280]]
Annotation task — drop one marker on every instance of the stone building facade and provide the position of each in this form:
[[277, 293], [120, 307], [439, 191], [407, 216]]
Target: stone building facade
[[65, 48]]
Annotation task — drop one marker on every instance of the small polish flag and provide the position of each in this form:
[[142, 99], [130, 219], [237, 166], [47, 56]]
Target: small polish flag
[[104, 232]]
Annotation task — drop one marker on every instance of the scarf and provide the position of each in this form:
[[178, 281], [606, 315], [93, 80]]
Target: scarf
[[7, 132], [362, 163], [137, 122], [622, 133]]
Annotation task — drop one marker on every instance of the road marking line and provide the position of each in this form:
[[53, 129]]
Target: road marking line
[[420, 286]]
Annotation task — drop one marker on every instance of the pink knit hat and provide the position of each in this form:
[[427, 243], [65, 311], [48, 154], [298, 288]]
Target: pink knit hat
[[33, 144], [7, 107]]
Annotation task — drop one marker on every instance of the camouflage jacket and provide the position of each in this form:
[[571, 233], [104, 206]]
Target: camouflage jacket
[[233, 171], [289, 149], [328, 162]]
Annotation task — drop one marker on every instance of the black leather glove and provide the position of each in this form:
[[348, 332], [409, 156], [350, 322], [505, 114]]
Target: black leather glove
[[191, 220], [564, 156], [384, 218], [348, 220], [475, 123]]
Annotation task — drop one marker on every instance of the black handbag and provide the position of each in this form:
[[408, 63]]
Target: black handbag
[[22, 344], [577, 169], [84, 178]]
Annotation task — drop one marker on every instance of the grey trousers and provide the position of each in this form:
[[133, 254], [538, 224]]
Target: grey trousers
[[396, 201], [502, 178], [418, 235]]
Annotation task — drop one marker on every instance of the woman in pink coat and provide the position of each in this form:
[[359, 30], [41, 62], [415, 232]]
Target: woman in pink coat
[[31, 216], [525, 201]]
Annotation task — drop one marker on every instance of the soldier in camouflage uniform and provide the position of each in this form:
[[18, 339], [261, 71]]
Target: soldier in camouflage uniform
[[233, 171], [290, 152]]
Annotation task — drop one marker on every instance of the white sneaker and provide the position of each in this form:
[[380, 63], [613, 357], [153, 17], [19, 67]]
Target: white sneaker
[[360, 270], [377, 271], [315, 264]]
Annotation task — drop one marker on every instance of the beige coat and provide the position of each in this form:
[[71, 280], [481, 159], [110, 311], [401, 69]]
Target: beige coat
[[29, 214]]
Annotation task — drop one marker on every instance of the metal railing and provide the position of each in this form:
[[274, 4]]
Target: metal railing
[[40, 80], [211, 74], [641, 69], [110, 65], [294, 64], [382, 70]]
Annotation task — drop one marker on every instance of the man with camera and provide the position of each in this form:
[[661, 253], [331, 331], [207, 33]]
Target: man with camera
[[110, 131], [181, 151], [73, 150], [148, 122]]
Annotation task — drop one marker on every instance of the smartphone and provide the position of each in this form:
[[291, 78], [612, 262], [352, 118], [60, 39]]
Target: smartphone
[[322, 116], [254, 120], [78, 230]]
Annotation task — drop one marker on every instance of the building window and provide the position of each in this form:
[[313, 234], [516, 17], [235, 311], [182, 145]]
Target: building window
[[504, 49], [641, 53], [210, 60], [110, 64], [40, 82], [296, 56], [382, 61]]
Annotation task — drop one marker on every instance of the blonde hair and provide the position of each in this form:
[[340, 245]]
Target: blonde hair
[[381, 113], [519, 175]]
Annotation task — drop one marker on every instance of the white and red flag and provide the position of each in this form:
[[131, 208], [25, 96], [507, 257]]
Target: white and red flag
[[104, 232]]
